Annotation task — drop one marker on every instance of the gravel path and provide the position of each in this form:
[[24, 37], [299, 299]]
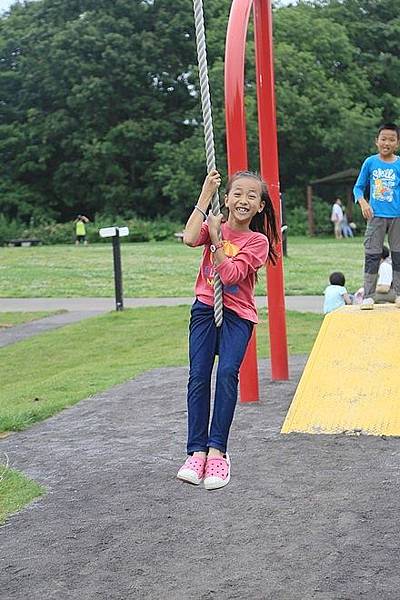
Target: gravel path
[[301, 303], [303, 518], [27, 330]]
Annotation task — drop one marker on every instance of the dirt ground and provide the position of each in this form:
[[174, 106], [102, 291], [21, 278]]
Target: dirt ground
[[304, 517]]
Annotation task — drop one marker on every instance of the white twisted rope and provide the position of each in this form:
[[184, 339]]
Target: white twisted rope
[[208, 135]]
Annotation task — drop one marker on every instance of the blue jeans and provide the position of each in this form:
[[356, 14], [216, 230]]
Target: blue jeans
[[205, 342]]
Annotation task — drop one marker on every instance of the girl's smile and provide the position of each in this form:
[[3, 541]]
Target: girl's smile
[[243, 202]]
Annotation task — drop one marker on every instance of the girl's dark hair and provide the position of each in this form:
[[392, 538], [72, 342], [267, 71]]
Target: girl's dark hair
[[265, 221], [337, 278]]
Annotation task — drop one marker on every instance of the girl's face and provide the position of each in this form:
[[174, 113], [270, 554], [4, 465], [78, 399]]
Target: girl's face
[[244, 201]]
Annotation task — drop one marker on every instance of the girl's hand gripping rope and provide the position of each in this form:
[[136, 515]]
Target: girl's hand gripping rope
[[193, 225], [211, 184]]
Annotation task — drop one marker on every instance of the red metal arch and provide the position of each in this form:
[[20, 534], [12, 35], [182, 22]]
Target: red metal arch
[[237, 160]]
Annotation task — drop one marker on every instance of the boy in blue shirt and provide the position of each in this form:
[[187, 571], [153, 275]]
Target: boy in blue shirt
[[381, 173]]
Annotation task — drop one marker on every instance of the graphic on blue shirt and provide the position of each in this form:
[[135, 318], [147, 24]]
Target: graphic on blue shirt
[[383, 183]]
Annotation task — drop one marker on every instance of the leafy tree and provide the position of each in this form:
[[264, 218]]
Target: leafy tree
[[100, 108], [374, 28], [323, 120], [92, 86]]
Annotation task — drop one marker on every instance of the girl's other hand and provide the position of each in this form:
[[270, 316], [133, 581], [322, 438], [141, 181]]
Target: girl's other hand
[[211, 183]]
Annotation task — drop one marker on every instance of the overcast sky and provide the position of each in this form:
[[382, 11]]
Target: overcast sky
[[4, 4]]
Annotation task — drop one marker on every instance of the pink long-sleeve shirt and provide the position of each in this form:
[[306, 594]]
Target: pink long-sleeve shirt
[[246, 252]]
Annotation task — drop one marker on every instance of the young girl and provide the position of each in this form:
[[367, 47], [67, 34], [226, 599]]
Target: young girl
[[248, 238]]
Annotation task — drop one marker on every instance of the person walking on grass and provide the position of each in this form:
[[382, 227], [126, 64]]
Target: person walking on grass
[[381, 172], [235, 249], [337, 218], [384, 288], [80, 230]]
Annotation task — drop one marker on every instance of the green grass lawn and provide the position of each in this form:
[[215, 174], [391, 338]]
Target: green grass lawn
[[46, 373], [162, 269], [9, 319], [16, 491]]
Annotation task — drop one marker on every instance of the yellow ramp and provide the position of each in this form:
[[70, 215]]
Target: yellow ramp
[[352, 378]]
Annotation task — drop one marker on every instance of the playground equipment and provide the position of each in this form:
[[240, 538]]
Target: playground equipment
[[351, 383], [238, 161]]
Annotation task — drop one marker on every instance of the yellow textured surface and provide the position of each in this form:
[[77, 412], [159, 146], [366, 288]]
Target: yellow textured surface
[[351, 382]]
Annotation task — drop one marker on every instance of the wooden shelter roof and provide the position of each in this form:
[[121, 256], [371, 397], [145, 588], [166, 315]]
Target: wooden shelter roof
[[347, 176]]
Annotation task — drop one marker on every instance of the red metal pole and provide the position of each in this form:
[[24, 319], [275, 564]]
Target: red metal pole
[[270, 173], [236, 138]]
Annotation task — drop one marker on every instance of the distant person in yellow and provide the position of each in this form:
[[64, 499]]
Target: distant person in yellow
[[80, 229]]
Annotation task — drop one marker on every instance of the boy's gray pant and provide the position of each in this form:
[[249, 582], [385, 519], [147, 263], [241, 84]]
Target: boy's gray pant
[[377, 227]]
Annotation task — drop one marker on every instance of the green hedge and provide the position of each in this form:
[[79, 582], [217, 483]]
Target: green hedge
[[9, 230], [159, 229], [64, 233]]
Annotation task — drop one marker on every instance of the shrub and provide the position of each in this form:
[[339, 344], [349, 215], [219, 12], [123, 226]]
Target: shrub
[[9, 230], [140, 230], [297, 221], [322, 216], [52, 233]]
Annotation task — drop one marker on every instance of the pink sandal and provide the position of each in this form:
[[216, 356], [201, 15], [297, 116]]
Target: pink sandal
[[193, 470], [217, 473]]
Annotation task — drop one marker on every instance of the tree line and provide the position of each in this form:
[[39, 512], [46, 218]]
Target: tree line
[[100, 111]]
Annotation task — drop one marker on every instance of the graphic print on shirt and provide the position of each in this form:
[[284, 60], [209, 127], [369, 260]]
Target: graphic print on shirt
[[383, 184], [230, 250]]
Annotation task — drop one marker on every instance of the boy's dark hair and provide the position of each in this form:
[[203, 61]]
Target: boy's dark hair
[[337, 278], [391, 127], [385, 252], [265, 221]]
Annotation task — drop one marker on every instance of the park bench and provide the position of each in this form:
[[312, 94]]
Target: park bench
[[31, 242], [179, 236]]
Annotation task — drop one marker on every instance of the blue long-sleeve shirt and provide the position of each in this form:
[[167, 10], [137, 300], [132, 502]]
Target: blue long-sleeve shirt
[[383, 179]]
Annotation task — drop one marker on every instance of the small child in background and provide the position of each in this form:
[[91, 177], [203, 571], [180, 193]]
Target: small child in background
[[335, 294], [385, 275], [384, 288]]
